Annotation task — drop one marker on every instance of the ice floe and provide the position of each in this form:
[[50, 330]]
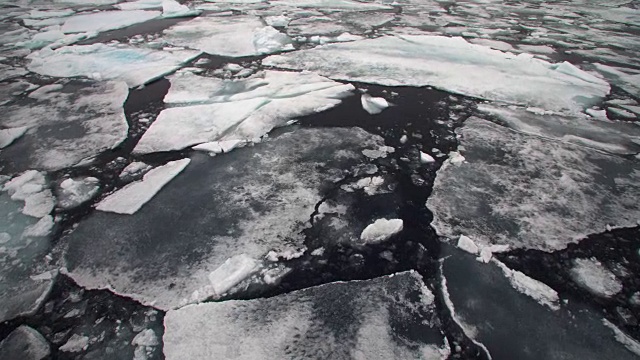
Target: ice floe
[[132, 197], [106, 20], [250, 201], [381, 230], [595, 277], [24, 343], [73, 192], [531, 192], [135, 66], [307, 324], [454, 65], [373, 105], [8, 136], [239, 110], [228, 36], [66, 124], [173, 9], [333, 4]]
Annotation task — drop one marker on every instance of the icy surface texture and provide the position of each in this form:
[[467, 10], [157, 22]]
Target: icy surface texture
[[106, 20], [613, 137], [24, 343], [74, 192], [531, 192], [595, 277], [250, 201], [381, 230], [387, 317], [215, 110], [132, 197], [454, 65], [24, 242], [66, 124], [507, 323], [135, 66], [228, 36]]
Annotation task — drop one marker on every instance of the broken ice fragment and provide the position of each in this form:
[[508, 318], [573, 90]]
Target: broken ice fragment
[[76, 343], [8, 136], [31, 187], [456, 158], [595, 278], [74, 192], [132, 197], [465, 243], [106, 20], [426, 158], [373, 105], [381, 230], [533, 288], [226, 276], [454, 65], [305, 323], [173, 9]]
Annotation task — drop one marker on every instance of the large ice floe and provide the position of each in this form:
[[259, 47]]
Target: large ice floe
[[239, 207], [452, 64], [213, 110], [531, 192], [391, 317], [25, 224], [135, 66], [493, 312], [65, 124], [228, 36]]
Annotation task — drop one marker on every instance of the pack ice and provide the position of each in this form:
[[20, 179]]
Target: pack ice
[[239, 206], [66, 124], [228, 36], [454, 65], [356, 319], [218, 110], [531, 192], [135, 66]]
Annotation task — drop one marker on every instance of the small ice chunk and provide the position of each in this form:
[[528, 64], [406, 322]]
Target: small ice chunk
[[533, 288], [132, 197], [74, 192], [231, 273], [381, 230], [403, 139], [598, 114], [267, 40], [133, 170], [173, 9], [426, 158], [24, 343], [8, 136], [373, 105], [277, 21], [456, 158], [594, 277], [146, 337], [465, 243], [380, 152], [76, 343]]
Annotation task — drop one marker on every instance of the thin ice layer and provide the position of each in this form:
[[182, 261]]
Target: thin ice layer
[[356, 319], [106, 20], [245, 109], [66, 124], [135, 66], [454, 65], [132, 197], [250, 201], [613, 137], [531, 192], [228, 36]]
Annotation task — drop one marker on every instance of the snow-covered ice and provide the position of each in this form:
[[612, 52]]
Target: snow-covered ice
[[250, 201], [135, 66], [132, 197], [595, 277], [381, 230], [66, 124], [73, 192], [531, 192], [106, 20], [454, 65], [309, 323], [465, 243], [228, 36], [8, 136], [173, 9], [246, 109]]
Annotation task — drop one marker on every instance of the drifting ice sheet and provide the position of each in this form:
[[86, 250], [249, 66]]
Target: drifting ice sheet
[[451, 64], [251, 201], [67, 124], [357, 319], [529, 192], [135, 66], [228, 36], [236, 109], [132, 197]]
